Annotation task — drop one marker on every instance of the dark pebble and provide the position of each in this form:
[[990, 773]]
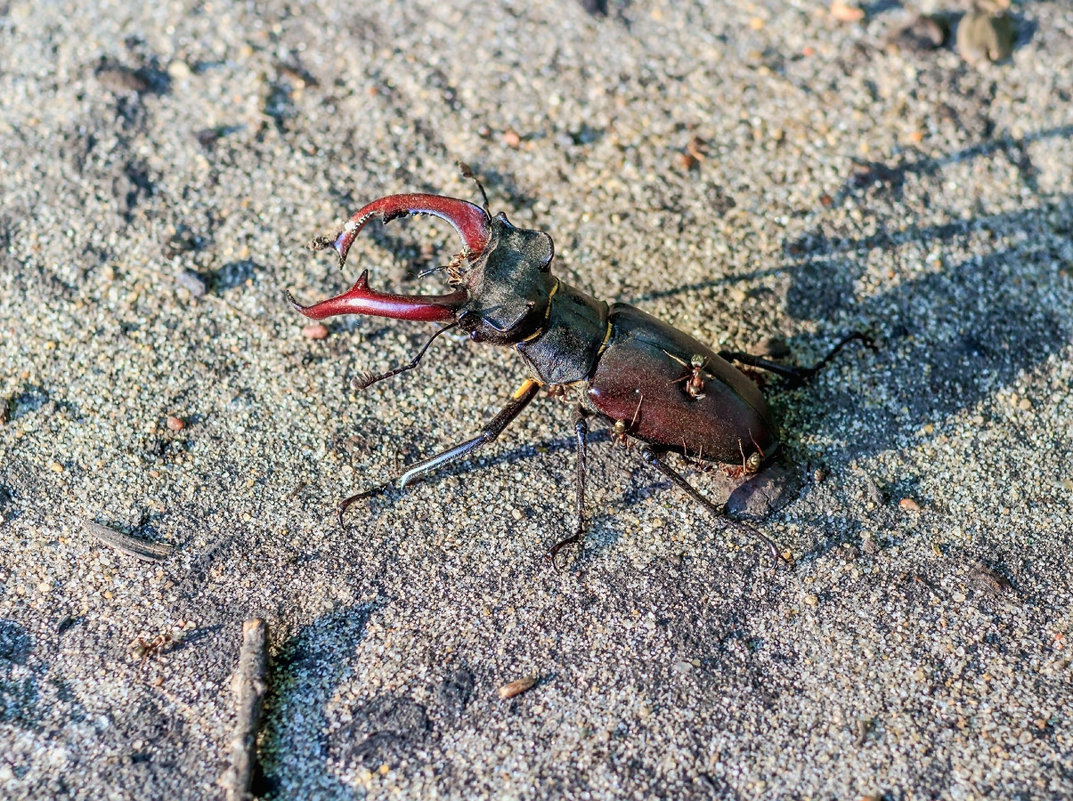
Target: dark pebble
[[764, 493], [923, 34]]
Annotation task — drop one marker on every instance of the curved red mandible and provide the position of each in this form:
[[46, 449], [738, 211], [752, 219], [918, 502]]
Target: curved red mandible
[[468, 219], [362, 300]]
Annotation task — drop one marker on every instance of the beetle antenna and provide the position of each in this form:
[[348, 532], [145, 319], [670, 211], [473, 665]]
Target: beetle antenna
[[467, 172], [368, 379], [432, 270]]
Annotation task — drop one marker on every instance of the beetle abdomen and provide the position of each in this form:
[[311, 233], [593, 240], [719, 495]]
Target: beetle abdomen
[[642, 380]]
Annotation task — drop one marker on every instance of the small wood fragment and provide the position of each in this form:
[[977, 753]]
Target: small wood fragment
[[248, 685], [126, 544], [844, 12], [517, 687], [315, 331], [909, 505]]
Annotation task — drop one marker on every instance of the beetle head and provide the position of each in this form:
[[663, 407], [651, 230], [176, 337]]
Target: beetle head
[[503, 296], [510, 285]]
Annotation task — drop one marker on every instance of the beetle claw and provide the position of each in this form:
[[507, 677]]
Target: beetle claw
[[346, 503], [553, 551]]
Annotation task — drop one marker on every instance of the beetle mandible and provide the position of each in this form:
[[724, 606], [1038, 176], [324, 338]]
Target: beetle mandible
[[651, 382]]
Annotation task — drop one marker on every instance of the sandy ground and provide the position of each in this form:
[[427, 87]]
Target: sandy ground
[[161, 169]]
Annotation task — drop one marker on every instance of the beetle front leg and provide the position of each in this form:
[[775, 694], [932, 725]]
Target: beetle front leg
[[518, 401], [656, 460], [581, 428]]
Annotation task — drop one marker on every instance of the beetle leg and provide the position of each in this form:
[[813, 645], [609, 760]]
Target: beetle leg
[[518, 401], [368, 379], [581, 428], [656, 461], [796, 374]]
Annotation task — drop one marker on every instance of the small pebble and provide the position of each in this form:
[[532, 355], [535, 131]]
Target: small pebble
[[511, 138], [174, 423], [120, 80], [315, 331], [517, 687], [983, 37], [192, 282], [991, 581], [844, 12], [923, 34], [178, 70], [909, 505], [55, 467], [812, 600], [597, 8]]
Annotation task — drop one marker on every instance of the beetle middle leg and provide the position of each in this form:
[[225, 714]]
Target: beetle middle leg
[[794, 373], [581, 428], [656, 460], [518, 401]]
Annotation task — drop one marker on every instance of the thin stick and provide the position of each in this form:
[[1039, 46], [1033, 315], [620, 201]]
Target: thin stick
[[124, 543], [248, 685]]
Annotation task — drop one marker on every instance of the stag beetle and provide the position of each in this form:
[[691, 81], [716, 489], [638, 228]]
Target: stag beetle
[[650, 381]]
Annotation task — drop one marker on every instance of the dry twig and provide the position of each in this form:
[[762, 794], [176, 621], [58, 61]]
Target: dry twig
[[248, 685], [124, 543]]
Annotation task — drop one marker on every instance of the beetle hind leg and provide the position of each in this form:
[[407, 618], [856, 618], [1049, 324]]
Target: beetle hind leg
[[656, 460], [794, 373]]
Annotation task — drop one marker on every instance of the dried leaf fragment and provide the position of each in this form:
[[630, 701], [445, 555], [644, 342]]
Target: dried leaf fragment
[[517, 687]]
